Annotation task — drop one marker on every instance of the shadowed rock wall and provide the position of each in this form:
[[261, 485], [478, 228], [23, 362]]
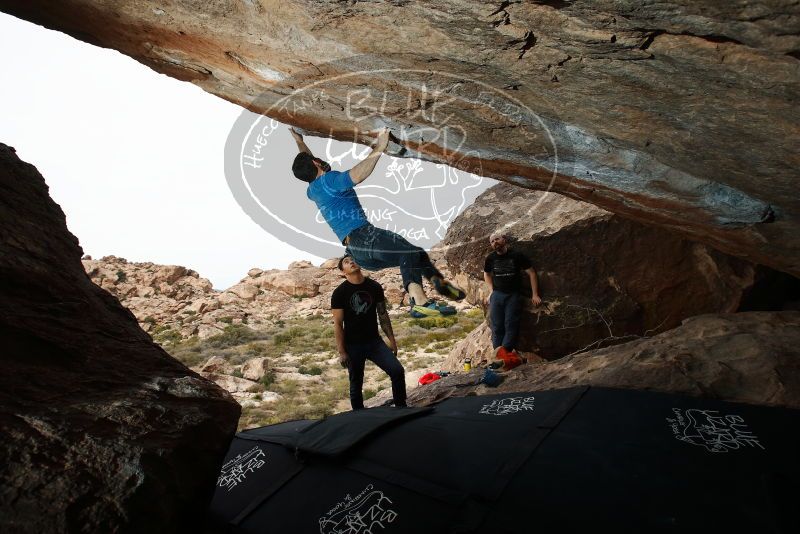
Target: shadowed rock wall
[[102, 431], [604, 279]]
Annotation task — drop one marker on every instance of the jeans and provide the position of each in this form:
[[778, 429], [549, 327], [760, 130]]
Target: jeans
[[374, 248], [504, 313], [381, 355]]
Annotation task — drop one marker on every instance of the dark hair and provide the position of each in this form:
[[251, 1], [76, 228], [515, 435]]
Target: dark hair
[[341, 260], [304, 168]]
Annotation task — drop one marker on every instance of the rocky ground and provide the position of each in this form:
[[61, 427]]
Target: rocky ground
[[268, 340], [750, 357], [174, 303]]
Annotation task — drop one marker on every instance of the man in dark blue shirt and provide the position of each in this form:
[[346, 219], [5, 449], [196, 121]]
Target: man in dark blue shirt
[[502, 272], [373, 248]]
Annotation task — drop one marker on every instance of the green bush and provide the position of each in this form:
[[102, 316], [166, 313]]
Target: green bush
[[237, 373], [121, 276], [164, 335], [369, 393], [286, 387], [268, 379], [313, 370], [287, 336], [436, 322], [235, 334], [255, 349]]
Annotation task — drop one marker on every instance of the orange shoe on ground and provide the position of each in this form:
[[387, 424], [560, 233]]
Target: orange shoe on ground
[[510, 359]]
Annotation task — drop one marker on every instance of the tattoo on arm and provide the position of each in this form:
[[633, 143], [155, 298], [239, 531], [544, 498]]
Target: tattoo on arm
[[383, 316]]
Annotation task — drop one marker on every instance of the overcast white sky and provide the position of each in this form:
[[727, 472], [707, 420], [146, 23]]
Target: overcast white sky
[[133, 157]]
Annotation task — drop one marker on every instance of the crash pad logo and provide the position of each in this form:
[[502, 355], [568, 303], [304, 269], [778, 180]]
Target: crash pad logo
[[235, 471], [714, 432], [368, 512], [432, 119], [508, 406]]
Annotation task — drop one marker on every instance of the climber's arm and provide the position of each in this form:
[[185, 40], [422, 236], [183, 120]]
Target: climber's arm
[[364, 168], [301, 146]]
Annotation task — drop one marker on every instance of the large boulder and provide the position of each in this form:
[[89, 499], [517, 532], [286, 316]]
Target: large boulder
[[603, 278], [682, 114], [102, 430], [751, 357]]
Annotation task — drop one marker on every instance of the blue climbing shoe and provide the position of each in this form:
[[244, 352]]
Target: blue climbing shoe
[[430, 309], [447, 290]]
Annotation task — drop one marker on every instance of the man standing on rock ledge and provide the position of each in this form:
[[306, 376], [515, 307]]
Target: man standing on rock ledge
[[373, 248], [502, 272], [356, 305]]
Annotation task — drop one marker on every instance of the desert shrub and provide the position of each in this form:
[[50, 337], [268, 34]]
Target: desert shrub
[[255, 349], [313, 370], [287, 336], [256, 388], [233, 335], [369, 393], [237, 373], [268, 379], [121, 276], [436, 322], [188, 358], [164, 335], [286, 387]]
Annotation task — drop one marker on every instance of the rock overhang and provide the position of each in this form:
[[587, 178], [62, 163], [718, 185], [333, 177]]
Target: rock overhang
[[676, 114]]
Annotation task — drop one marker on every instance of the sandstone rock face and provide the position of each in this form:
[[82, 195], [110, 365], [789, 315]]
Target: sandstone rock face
[[477, 346], [102, 430], [255, 369], [603, 278], [751, 357], [682, 114]]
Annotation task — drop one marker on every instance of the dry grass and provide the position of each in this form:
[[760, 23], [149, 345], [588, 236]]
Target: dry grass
[[307, 345]]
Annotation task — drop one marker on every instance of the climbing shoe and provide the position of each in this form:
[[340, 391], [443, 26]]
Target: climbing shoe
[[509, 359], [430, 309], [446, 289]]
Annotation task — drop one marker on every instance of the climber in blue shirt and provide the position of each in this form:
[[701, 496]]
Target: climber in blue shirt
[[373, 248]]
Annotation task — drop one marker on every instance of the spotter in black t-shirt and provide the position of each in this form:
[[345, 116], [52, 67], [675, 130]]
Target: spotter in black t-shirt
[[358, 302]]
